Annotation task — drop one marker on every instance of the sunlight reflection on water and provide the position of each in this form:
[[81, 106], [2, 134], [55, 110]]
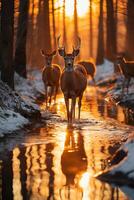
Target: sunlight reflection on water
[[59, 162]]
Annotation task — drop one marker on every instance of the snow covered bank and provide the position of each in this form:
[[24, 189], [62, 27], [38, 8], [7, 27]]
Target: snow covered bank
[[110, 84], [18, 108], [122, 170]]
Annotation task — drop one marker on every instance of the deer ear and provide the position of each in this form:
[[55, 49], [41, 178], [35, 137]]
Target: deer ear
[[61, 52], [76, 52], [54, 53], [42, 52]]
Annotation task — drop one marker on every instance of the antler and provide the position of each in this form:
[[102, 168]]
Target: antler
[[79, 43], [58, 42], [61, 49]]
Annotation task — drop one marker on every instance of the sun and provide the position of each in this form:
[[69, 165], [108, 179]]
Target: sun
[[82, 7]]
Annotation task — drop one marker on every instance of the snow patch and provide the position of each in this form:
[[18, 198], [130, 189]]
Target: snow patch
[[10, 121]]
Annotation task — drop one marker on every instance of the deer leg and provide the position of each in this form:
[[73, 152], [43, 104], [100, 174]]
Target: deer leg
[[72, 108], [52, 89], [67, 107], [56, 91], [123, 86], [94, 81], [46, 94], [128, 81], [79, 105]]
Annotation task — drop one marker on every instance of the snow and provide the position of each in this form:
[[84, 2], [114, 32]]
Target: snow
[[111, 85], [11, 121], [122, 173], [19, 106], [104, 71], [126, 166]]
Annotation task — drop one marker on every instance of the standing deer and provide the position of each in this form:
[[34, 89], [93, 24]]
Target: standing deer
[[127, 69], [50, 75], [73, 80], [90, 67]]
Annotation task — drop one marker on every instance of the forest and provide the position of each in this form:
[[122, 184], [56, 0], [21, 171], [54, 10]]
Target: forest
[[66, 99]]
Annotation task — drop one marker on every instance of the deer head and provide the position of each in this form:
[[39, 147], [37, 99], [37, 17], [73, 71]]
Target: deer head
[[69, 57], [48, 57]]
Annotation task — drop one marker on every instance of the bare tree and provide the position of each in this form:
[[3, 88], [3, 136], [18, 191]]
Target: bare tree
[[91, 29], [20, 52], [100, 49], [111, 31], [30, 37], [47, 37], [130, 29], [53, 18], [75, 19], [64, 24], [7, 32]]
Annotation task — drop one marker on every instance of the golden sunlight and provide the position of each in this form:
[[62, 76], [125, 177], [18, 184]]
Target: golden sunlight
[[82, 7], [84, 181]]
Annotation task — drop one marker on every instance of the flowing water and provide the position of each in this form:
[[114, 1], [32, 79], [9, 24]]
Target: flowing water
[[58, 162]]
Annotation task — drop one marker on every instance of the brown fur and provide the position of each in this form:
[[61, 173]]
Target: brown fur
[[127, 69], [51, 77], [73, 85], [89, 66]]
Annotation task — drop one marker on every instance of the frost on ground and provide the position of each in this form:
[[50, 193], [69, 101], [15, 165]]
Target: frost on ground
[[18, 107]]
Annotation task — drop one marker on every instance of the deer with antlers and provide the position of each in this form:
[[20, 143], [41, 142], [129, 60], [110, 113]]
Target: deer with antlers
[[73, 80], [50, 75]]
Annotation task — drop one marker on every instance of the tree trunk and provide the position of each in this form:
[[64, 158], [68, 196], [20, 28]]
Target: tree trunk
[[130, 30], [75, 19], [7, 32], [111, 32], [64, 25], [20, 52], [90, 30], [47, 37], [100, 50], [53, 18], [30, 38]]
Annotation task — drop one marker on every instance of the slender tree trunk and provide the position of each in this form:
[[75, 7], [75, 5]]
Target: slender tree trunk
[[116, 19], [130, 30], [47, 37], [111, 32], [54, 30], [30, 37], [0, 41], [7, 32], [64, 24], [40, 31], [76, 24], [20, 52], [100, 51], [75, 19], [90, 30]]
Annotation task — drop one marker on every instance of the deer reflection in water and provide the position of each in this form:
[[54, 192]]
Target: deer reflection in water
[[73, 164]]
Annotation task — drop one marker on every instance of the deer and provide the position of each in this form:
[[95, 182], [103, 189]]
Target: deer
[[73, 80], [127, 69], [90, 67], [50, 75]]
